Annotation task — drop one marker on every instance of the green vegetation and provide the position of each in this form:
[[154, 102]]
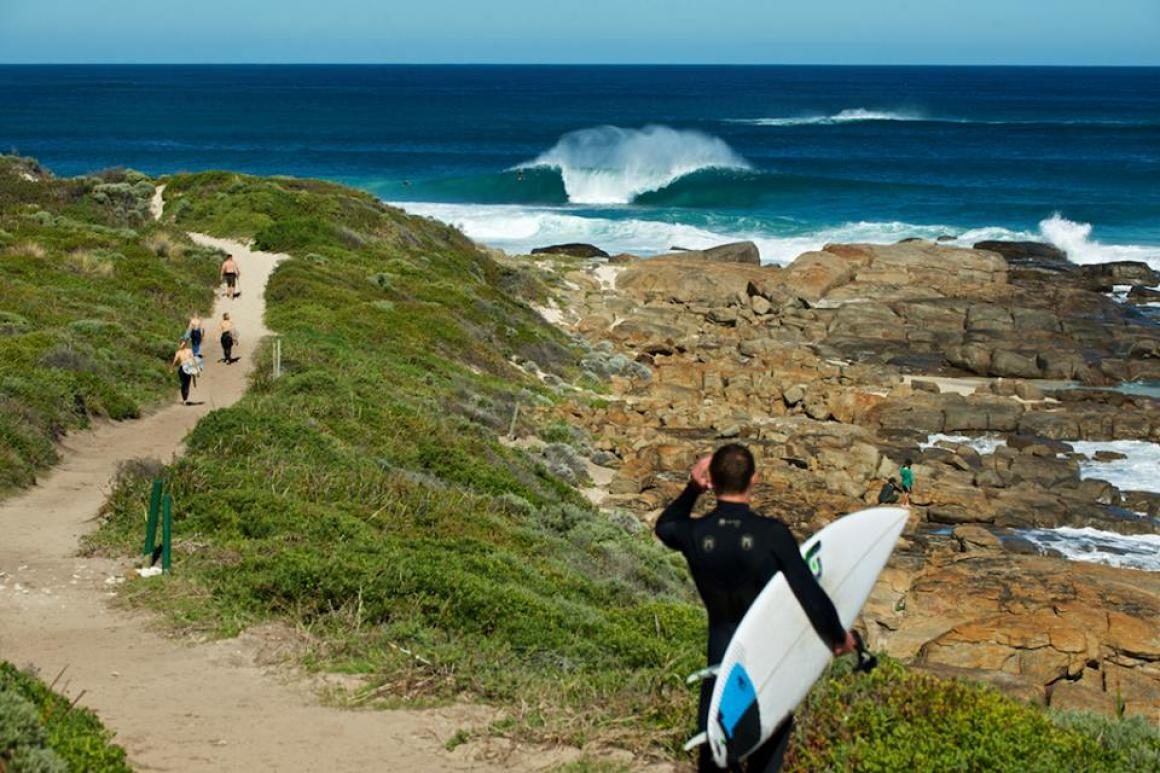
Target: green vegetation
[[40, 732], [895, 719], [93, 297], [365, 498]]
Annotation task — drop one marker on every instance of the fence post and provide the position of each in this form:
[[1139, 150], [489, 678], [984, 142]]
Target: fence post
[[167, 534], [151, 523], [277, 357]]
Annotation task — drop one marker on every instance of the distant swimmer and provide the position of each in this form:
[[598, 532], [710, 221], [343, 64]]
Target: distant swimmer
[[229, 338], [733, 553], [406, 183], [187, 369], [195, 332], [520, 176], [230, 273]]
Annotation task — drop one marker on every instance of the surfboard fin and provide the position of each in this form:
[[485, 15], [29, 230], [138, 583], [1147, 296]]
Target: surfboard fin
[[705, 673], [696, 741]]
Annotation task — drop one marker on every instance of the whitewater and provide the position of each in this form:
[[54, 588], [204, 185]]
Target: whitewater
[[517, 229], [627, 190]]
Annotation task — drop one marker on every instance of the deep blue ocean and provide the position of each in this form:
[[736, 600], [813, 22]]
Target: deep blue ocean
[[644, 158]]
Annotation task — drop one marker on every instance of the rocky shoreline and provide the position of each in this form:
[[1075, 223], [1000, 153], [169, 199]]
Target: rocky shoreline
[[841, 365]]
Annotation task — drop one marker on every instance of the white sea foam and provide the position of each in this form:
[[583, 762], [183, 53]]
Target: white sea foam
[[1139, 470], [1141, 551], [860, 114], [850, 115], [518, 228], [1075, 239], [984, 444], [612, 165]]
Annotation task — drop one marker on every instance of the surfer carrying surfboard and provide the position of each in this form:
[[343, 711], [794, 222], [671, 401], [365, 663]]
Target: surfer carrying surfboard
[[732, 554]]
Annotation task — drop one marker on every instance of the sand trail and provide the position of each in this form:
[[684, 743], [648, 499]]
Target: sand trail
[[175, 704]]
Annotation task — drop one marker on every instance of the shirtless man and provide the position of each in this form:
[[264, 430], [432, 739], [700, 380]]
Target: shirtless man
[[229, 273], [229, 338], [186, 365], [195, 332]]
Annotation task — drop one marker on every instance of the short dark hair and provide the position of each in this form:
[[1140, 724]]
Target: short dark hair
[[907, 463], [731, 469]]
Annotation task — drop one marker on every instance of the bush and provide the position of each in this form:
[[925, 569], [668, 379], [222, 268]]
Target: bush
[[894, 719], [41, 731], [72, 278]]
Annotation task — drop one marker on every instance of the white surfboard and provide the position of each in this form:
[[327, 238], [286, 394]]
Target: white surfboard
[[776, 656]]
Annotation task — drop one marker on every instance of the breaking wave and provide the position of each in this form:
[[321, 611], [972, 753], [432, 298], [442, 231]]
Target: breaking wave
[[613, 165], [852, 115]]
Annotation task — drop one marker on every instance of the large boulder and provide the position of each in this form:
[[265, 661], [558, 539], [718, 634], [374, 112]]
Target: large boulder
[[681, 279], [576, 250], [733, 252], [1021, 250]]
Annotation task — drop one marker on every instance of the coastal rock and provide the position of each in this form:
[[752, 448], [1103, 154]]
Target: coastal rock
[[1020, 250], [733, 252], [1033, 617], [576, 250]]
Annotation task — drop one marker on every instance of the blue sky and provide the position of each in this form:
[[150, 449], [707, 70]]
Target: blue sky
[[1060, 32]]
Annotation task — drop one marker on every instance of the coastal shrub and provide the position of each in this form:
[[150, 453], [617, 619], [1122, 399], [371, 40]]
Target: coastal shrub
[[41, 731], [898, 719], [70, 280]]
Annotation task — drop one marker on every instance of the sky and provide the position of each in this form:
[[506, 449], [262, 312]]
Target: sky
[[1027, 32]]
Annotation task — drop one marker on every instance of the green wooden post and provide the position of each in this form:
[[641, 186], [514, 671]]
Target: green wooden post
[[167, 534], [151, 524]]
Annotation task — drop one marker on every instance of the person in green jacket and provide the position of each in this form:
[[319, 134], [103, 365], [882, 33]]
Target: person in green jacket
[[907, 476]]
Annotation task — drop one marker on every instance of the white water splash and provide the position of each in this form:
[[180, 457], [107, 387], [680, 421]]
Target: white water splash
[[1141, 551], [1139, 470], [983, 444], [612, 165]]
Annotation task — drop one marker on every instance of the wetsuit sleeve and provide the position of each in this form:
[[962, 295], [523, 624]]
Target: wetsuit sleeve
[[674, 524], [817, 605]]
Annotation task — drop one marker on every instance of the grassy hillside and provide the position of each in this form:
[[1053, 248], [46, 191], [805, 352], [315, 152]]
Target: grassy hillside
[[365, 498], [40, 731], [93, 298]]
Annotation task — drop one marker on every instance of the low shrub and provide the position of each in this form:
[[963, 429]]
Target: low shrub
[[41, 732]]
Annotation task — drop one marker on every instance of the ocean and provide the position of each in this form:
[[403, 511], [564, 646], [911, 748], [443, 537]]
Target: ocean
[[642, 159]]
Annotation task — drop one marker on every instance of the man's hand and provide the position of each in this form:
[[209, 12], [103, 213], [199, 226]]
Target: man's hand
[[846, 647], [699, 475]]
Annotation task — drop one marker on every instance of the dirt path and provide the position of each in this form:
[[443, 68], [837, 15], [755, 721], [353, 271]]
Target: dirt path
[[177, 705]]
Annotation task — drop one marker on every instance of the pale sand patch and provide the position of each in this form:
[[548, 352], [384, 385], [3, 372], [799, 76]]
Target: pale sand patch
[[551, 313], [606, 274], [157, 203], [965, 385]]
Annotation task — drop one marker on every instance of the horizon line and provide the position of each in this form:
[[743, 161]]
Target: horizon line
[[571, 64]]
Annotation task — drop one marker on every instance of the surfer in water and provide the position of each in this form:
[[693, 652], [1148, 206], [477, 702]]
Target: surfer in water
[[732, 553]]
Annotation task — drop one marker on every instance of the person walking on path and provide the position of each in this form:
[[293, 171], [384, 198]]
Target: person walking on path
[[907, 476], [187, 369], [230, 273], [195, 333], [733, 553], [229, 338]]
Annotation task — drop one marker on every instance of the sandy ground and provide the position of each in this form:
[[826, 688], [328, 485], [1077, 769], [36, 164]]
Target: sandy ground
[[176, 704]]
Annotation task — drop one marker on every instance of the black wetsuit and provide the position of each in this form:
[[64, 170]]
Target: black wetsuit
[[732, 553]]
